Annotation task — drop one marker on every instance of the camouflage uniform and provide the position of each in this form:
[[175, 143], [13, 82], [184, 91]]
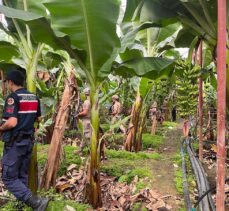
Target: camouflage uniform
[[86, 120], [116, 112]]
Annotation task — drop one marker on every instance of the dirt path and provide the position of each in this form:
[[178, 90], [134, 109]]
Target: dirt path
[[164, 170]]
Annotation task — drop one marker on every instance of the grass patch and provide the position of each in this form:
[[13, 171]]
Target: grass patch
[[118, 138], [179, 175], [118, 167], [152, 141], [195, 145], [179, 181], [53, 205], [105, 126], [70, 158], [131, 155], [114, 141], [126, 170], [138, 206], [42, 154], [142, 184], [169, 124], [72, 133], [58, 202], [177, 159]]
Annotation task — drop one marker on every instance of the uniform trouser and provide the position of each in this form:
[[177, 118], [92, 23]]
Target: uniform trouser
[[87, 133], [121, 127], [15, 164]]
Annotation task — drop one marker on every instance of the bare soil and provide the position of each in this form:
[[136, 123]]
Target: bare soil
[[164, 170]]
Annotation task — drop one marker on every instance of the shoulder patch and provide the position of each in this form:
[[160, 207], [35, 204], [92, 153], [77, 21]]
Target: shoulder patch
[[10, 109], [10, 101]]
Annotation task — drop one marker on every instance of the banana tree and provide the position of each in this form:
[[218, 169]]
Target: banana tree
[[147, 69], [201, 17], [138, 115], [143, 39], [29, 41], [78, 32], [29, 54], [198, 18]]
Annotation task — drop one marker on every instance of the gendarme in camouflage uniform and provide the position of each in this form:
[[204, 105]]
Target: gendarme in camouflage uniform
[[85, 116]]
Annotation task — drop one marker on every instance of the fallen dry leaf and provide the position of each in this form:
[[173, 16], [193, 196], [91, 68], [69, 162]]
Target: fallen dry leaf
[[71, 167]]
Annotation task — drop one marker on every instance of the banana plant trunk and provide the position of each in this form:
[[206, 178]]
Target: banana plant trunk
[[221, 105], [31, 69], [54, 154], [134, 123], [3, 84], [138, 146], [93, 188], [154, 124]]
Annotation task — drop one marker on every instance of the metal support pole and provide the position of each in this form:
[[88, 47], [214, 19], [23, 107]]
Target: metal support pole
[[221, 105], [200, 104]]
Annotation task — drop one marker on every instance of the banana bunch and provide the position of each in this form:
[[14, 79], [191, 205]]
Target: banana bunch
[[210, 95], [187, 88], [163, 88]]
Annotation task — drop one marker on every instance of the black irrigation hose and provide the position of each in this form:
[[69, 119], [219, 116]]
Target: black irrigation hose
[[212, 205], [207, 203], [207, 192], [202, 187], [188, 203], [198, 180]]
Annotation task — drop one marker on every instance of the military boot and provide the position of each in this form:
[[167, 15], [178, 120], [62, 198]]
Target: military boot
[[37, 203]]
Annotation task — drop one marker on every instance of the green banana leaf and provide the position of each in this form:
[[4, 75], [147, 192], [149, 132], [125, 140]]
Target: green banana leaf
[[145, 86], [185, 37], [132, 7], [91, 26], [128, 40], [159, 11], [9, 66], [148, 67], [34, 6], [41, 30], [18, 14], [130, 54], [7, 51]]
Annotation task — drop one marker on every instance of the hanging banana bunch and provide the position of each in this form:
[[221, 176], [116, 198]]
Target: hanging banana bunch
[[187, 88]]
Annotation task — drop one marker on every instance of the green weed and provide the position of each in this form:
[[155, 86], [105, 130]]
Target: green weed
[[131, 155], [57, 202], [179, 181], [151, 141], [42, 154], [179, 175], [125, 170], [53, 205], [169, 124], [70, 158], [137, 207], [105, 126], [142, 184], [74, 133]]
